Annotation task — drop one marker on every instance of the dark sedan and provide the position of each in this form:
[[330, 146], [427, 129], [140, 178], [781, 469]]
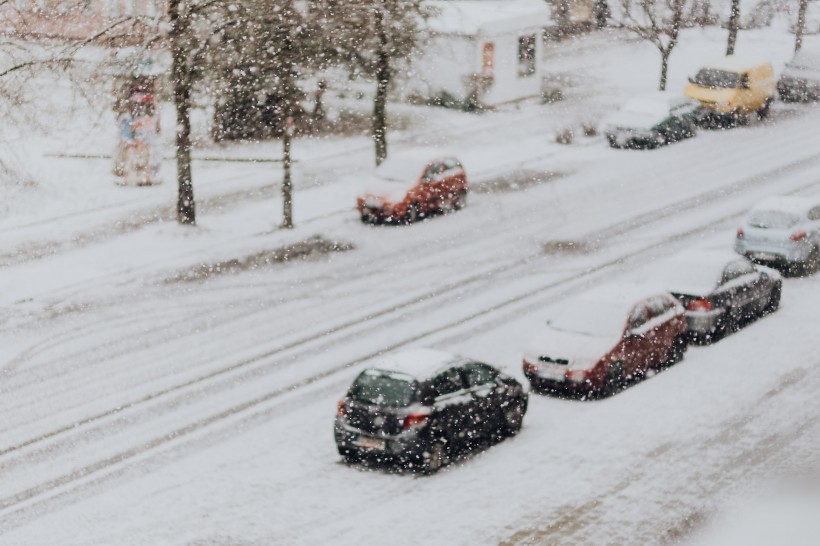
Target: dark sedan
[[419, 408], [720, 291]]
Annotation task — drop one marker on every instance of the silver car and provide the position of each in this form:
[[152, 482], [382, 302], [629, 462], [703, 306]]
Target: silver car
[[800, 79], [782, 231]]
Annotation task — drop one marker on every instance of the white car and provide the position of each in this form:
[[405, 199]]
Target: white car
[[782, 231], [800, 79]]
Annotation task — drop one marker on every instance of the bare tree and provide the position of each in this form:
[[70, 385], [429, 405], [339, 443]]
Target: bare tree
[[734, 23], [656, 21], [372, 37], [801, 25]]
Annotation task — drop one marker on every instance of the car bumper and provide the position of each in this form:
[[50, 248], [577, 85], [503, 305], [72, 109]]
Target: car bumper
[[703, 323], [406, 446], [767, 253], [558, 386]]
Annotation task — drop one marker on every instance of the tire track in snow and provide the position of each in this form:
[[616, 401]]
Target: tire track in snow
[[237, 409]]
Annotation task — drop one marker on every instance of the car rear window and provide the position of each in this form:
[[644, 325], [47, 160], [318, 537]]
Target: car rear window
[[383, 388], [773, 219], [715, 78]]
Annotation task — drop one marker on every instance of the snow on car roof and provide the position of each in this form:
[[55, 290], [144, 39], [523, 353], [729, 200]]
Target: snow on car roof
[[733, 63], [470, 17], [694, 272], [646, 111], [418, 363], [626, 294], [787, 203], [408, 165]]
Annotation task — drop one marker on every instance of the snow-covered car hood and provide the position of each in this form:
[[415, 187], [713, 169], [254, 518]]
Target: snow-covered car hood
[[581, 350], [387, 190], [628, 119]]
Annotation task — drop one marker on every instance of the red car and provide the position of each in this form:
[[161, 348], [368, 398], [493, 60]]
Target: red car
[[604, 338], [412, 186]]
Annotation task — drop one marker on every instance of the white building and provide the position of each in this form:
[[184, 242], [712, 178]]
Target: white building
[[488, 48]]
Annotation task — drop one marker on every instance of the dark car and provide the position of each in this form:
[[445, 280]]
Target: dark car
[[419, 408], [719, 290], [652, 120]]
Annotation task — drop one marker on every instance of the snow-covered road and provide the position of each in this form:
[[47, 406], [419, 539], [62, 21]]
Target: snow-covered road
[[141, 408]]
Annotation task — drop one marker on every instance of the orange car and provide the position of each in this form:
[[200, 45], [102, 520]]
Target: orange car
[[410, 187]]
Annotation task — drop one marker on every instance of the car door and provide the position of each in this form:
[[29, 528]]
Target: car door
[[636, 346], [453, 182], [738, 288], [452, 403], [660, 333], [487, 397], [434, 182]]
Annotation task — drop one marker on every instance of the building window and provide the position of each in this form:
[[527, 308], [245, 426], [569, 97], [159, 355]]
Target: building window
[[526, 56], [488, 60]]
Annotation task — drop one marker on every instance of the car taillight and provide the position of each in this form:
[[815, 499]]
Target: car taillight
[[740, 233], [699, 304], [798, 235], [340, 408], [529, 368], [578, 376], [415, 419]]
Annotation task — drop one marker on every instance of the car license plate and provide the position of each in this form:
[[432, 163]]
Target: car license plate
[[370, 443], [554, 374]]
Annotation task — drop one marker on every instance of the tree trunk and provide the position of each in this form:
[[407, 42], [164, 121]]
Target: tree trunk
[[287, 186], [382, 83], [801, 24], [664, 68], [734, 22], [181, 81]]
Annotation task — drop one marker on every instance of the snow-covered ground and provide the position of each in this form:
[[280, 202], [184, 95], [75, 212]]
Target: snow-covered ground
[[141, 406]]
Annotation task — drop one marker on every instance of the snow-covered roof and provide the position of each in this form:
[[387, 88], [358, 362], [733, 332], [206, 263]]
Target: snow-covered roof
[[418, 363], [626, 294], [471, 17], [646, 111], [787, 203], [733, 63], [695, 271]]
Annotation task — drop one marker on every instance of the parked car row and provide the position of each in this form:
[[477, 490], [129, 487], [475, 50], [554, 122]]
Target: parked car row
[[423, 407], [725, 92]]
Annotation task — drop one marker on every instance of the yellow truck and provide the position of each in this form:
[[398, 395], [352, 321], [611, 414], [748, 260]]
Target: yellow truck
[[732, 88]]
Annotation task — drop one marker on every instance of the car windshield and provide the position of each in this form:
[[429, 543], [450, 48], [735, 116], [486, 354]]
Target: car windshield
[[400, 170], [383, 388], [592, 318], [712, 77], [772, 219]]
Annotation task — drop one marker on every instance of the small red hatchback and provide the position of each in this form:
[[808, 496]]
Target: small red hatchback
[[412, 186], [604, 338]]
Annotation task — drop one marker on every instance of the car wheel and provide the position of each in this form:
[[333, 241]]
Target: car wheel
[[764, 110], [675, 354], [614, 379], [350, 456], [774, 300], [413, 213], [435, 457], [460, 201], [513, 417], [812, 262], [660, 140]]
